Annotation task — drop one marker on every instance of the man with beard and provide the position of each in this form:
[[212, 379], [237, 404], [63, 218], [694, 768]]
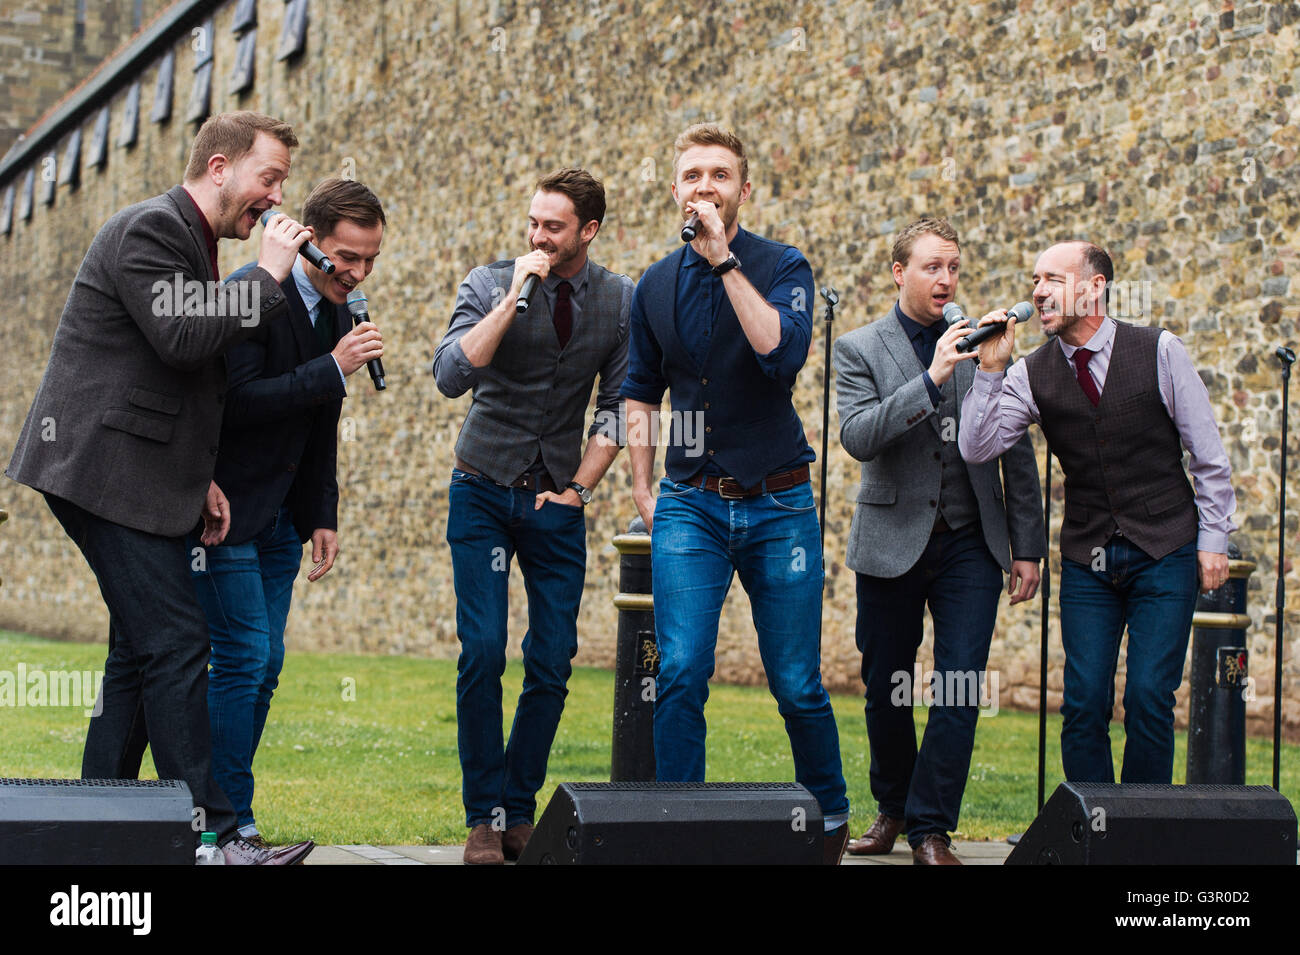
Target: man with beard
[[1119, 404], [122, 439], [724, 323], [520, 483]]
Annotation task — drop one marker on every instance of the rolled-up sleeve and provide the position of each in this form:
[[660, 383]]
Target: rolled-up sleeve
[[645, 380], [609, 417], [452, 371], [791, 295]]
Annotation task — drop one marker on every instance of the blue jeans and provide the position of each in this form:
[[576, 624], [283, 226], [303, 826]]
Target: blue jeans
[[958, 577], [245, 592], [487, 526], [772, 541], [1156, 599]]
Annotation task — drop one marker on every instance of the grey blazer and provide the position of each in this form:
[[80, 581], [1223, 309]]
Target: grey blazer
[[889, 424], [126, 420]]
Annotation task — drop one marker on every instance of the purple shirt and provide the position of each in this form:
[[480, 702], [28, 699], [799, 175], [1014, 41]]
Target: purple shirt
[[999, 408]]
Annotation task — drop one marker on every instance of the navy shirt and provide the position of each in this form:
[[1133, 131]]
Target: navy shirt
[[923, 339], [700, 298]]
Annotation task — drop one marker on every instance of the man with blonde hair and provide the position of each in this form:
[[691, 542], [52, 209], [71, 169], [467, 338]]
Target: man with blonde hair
[[724, 323]]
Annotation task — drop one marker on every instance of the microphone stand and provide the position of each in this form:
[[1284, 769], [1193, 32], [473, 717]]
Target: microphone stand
[[1046, 594], [1287, 357], [832, 298]]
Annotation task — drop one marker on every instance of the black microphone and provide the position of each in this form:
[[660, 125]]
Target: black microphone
[[692, 228], [526, 293], [357, 308], [1021, 312], [309, 252]]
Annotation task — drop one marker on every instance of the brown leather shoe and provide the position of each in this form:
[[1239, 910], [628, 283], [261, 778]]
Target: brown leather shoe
[[483, 847], [516, 837], [879, 839], [934, 850], [833, 847]]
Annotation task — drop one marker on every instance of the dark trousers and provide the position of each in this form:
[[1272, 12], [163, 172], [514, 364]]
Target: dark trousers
[[959, 579], [156, 676]]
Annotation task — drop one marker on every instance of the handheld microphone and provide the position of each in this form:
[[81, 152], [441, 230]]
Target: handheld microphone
[[1021, 312], [526, 294], [309, 252], [359, 312], [692, 228]]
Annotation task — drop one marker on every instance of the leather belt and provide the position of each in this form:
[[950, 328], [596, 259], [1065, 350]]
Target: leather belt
[[537, 481], [731, 490]]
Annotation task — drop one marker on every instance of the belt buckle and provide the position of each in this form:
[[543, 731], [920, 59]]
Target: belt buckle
[[722, 489]]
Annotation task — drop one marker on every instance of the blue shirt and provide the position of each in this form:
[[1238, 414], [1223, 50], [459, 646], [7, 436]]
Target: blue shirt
[[699, 301]]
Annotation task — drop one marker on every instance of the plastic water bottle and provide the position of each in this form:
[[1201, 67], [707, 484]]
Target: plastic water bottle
[[209, 853]]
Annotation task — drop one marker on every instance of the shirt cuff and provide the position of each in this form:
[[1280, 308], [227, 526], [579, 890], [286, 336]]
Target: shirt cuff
[[343, 380], [935, 396], [1216, 542]]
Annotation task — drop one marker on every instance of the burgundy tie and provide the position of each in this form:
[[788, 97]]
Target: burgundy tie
[[563, 317], [1081, 358]]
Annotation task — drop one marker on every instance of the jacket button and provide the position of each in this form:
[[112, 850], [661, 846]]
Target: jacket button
[[293, 467], [708, 430], [710, 452], [934, 503], [704, 381], [213, 450], [706, 406], [937, 455]]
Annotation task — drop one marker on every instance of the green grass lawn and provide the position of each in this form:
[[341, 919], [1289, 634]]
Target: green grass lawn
[[362, 749]]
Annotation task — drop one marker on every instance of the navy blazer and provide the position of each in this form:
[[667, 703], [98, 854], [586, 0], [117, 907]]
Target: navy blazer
[[279, 431]]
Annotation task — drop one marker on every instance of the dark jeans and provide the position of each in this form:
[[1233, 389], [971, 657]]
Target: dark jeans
[[156, 676], [1156, 599], [959, 579], [487, 526], [245, 590]]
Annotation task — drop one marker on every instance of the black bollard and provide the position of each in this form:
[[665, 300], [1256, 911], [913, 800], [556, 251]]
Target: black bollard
[[1220, 681], [636, 661]]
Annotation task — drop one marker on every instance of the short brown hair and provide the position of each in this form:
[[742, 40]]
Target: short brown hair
[[929, 225], [584, 190], [711, 134], [232, 135], [335, 199]]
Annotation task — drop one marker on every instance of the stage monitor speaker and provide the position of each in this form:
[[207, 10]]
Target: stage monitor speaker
[[631, 823], [96, 822], [1147, 824]]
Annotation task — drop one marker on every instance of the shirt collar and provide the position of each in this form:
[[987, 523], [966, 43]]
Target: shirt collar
[[552, 281], [915, 329], [310, 297], [208, 235], [1099, 340]]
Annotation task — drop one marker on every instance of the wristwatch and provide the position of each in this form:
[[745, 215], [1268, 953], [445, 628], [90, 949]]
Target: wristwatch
[[584, 494], [726, 265]]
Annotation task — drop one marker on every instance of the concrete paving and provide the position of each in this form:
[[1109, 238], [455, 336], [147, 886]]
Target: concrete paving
[[970, 853]]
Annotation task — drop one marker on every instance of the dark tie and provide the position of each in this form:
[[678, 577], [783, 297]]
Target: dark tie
[[1081, 358], [563, 317], [324, 325]]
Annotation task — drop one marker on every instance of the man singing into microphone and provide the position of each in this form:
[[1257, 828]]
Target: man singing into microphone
[[276, 464], [927, 529], [1119, 404], [519, 486], [122, 439], [724, 324]]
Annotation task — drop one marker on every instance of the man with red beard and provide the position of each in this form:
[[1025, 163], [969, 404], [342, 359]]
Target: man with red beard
[[519, 486]]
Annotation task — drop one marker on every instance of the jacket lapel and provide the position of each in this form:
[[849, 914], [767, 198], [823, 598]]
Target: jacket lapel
[[190, 216]]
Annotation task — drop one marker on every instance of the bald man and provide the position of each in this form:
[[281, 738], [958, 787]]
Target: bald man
[[1119, 404]]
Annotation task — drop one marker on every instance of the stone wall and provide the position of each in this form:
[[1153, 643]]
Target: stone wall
[[1167, 132]]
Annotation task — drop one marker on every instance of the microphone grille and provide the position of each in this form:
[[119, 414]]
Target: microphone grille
[[269, 214], [952, 312], [357, 302], [1021, 312]]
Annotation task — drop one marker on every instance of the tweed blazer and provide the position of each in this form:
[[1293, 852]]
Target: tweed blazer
[[888, 422], [126, 419]]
